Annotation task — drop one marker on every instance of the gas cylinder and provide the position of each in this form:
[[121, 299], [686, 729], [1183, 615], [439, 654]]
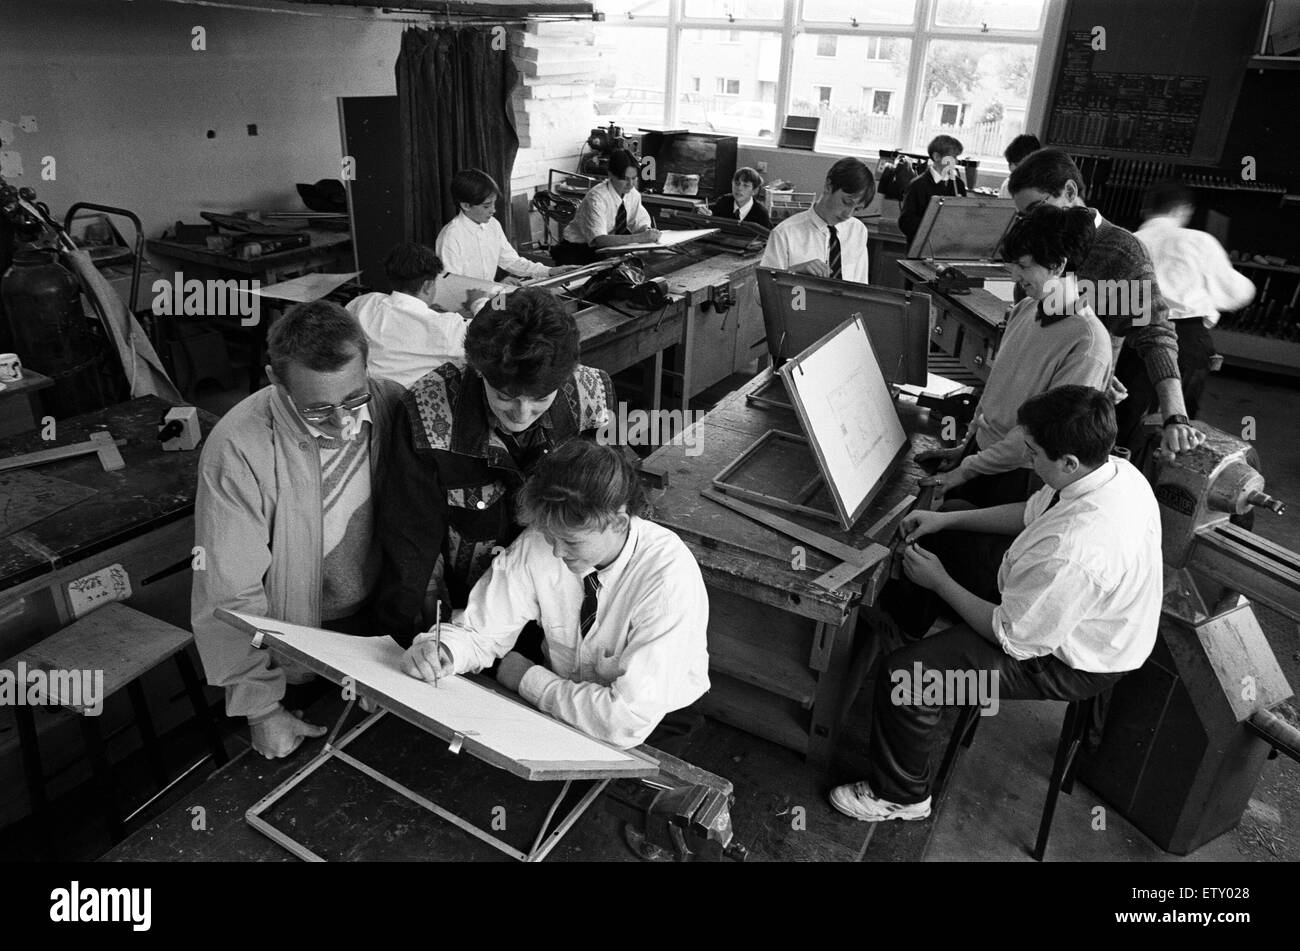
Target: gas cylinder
[[50, 332]]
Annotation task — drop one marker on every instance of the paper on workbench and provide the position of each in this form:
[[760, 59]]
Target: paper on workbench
[[667, 239], [304, 289], [512, 729], [451, 293]]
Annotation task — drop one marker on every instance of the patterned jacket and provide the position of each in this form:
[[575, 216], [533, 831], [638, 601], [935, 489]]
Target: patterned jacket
[[447, 499]]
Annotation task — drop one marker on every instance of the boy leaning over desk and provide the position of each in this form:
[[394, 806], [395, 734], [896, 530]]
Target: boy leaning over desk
[[620, 600]]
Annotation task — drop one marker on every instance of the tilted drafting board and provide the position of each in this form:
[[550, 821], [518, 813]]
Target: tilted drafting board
[[848, 416], [495, 728], [958, 229], [667, 239]]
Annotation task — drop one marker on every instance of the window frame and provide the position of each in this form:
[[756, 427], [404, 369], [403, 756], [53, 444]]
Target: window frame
[[922, 31]]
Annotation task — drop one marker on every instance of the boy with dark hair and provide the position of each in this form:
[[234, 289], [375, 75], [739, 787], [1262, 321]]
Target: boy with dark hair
[[610, 214], [1074, 605], [473, 243], [1019, 150], [826, 240], [620, 599], [1052, 338], [941, 178], [743, 204], [1196, 278], [407, 337], [285, 513], [1127, 298], [465, 441]]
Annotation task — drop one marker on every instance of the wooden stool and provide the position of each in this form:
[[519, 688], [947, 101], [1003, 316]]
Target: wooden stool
[[124, 644], [1078, 716]]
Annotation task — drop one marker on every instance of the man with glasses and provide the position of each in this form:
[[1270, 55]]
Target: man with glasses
[[826, 240], [284, 517]]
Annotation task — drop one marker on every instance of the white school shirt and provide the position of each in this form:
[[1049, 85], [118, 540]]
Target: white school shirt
[[744, 209], [598, 211], [407, 337], [477, 250], [645, 656], [1084, 580], [1195, 274], [806, 237]]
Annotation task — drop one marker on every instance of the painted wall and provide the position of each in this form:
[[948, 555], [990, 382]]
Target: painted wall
[[124, 105]]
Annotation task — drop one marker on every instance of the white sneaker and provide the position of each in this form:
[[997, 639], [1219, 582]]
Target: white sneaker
[[859, 802]]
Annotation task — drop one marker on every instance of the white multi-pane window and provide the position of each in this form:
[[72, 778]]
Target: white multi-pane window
[[880, 74]]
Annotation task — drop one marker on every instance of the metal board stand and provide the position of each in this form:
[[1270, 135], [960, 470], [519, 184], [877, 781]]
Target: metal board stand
[[542, 844]]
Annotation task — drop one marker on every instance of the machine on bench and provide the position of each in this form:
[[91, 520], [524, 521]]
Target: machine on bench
[[1187, 734]]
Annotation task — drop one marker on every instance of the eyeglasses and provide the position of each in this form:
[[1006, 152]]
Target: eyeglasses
[[320, 412]]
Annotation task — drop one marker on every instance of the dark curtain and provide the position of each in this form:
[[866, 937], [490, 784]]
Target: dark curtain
[[453, 96]]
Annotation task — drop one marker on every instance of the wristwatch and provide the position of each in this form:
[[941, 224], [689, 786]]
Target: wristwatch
[[1177, 419]]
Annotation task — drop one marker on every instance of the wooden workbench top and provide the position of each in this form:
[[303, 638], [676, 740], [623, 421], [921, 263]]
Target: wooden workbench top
[[153, 488], [199, 254], [739, 554]]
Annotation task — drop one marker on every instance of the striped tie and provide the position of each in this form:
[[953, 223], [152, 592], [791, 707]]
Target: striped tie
[[620, 219], [587, 616], [836, 271]]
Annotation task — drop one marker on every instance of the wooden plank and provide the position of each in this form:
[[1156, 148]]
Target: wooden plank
[[117, 640], [862, 557], [750, 643], [756, 711]]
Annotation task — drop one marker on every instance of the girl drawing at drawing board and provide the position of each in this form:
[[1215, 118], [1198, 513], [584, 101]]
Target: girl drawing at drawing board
[[620, 600]]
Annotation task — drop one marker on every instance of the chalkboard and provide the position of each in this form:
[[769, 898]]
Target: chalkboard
[[1150, 78]]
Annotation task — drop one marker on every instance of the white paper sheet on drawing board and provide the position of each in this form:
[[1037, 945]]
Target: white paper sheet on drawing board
[[667, 239], [849, 410], [513, 730]]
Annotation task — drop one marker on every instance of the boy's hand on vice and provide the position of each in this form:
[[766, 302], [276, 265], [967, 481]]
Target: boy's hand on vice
[[424, 662]]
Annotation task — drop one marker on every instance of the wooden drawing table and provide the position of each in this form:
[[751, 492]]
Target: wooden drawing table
[[780, 648]]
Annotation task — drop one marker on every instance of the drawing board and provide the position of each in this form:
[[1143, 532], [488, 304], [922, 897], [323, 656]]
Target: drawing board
[[847, 414], [667, 239], [494, 727]]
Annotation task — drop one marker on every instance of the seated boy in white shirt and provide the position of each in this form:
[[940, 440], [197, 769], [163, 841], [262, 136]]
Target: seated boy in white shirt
[[620, 600], [1074, 605], [473, 243], [407, 337], [826, 240]]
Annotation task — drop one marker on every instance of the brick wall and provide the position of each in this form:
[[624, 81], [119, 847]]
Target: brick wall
[[553, 104]]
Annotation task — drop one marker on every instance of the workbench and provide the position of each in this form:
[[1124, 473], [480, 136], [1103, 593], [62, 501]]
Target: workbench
[[966, 328], [329, 252], [140, 517], [780, 648]]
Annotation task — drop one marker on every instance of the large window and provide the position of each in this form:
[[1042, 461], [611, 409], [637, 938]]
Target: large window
[[977, 92], [848, 125], [880, 74]]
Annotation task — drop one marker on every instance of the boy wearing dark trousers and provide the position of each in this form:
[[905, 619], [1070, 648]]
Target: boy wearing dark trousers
[[1074, 605]]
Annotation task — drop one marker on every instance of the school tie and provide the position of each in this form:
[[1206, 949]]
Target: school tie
[[836, 272], [587, 616], [1056, 497], [620, 219]]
